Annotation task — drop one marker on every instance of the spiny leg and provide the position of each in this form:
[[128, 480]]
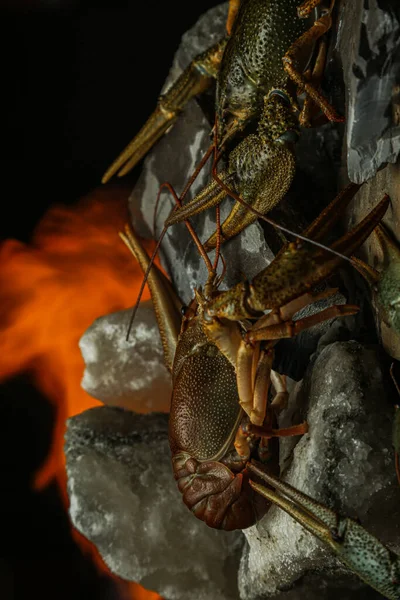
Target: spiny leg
[[289, 329], [253, 383], [298, 48], [194, 80]]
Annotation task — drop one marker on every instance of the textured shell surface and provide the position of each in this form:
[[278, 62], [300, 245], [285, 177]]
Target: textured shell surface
[[252, 63], [205, 405]]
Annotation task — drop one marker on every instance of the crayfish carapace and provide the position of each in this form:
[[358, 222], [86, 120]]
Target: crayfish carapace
[[221, 364], [261, 68]]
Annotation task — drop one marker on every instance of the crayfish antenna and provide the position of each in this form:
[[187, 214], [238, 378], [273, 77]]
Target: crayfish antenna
[[178, 200]]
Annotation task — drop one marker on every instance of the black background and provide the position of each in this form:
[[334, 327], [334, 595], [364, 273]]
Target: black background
[[78, 79]]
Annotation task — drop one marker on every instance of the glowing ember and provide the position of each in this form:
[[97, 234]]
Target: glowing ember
[[75, 270]]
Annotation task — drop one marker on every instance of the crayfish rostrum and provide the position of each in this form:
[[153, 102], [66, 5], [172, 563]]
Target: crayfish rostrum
[[262, 66], [220, 358]]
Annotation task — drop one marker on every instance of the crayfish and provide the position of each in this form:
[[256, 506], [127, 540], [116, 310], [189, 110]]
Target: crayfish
[[261, 67], [220, 358]]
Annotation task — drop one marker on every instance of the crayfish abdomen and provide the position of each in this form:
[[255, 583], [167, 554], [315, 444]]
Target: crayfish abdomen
[[216, 495], [204, 421]]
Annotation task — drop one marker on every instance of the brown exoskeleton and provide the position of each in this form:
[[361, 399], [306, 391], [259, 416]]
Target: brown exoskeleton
[[221, 356], [260, 69]]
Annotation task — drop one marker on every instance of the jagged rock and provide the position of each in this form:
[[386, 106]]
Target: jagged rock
[[345, 461], [124, 499], [369, 43], [127, 373]]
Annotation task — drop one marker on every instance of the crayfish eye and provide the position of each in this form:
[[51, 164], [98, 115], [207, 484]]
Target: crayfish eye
[[290, 136], [184, 310], [282, 95]]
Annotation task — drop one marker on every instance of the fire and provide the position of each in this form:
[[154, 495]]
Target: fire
[[75, 270]]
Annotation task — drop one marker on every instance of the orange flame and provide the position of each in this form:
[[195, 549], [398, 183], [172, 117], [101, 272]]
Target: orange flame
[[75, 270]]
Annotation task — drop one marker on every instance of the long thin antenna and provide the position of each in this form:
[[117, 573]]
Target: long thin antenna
[[188, 185], [144, 281], [178, 201]]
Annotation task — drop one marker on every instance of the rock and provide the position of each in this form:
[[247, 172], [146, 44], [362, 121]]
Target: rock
[[369, 44], [124, 499], [126, 373], [345, 461]]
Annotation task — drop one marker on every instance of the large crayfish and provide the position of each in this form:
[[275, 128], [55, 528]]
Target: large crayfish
[[221, 358], [260, 70]]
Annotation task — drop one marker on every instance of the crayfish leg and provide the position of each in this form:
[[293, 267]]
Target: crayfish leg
[[306, 117], [268, 432], [302, 46], [288, 329]]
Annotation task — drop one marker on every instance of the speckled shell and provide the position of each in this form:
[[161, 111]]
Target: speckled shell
[[252, 63], [205, 409]]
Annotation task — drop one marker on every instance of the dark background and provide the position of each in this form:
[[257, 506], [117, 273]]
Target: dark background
[[78, 79]]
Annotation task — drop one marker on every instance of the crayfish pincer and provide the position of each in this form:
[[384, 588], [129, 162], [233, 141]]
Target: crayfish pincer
[[221, 359]]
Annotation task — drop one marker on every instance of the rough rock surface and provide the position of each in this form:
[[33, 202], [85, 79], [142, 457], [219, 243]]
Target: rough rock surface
[[346, 461], [126, 373], [369, 44], [124, 499]]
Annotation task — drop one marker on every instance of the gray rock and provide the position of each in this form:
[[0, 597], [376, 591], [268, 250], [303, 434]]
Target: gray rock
[[369, 43], [126, 373], [124, 499], [345, 461]]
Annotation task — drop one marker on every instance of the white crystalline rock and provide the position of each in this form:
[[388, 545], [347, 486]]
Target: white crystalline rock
[[345, 461], [124, 499], [126, 373]]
